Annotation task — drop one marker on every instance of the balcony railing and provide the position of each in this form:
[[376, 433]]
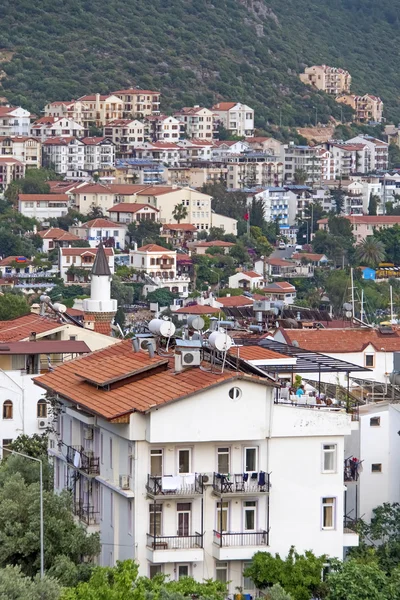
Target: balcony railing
[[86, 513], [174, 542], [84, 461], [243, 483], [246, 538], [175, 485]]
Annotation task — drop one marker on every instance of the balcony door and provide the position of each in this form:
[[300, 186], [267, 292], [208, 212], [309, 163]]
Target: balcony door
[[222, 516], [156, 462], [250, 515], [184, 516], [184, 460]]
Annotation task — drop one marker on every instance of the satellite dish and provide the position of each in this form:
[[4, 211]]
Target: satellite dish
[[195, 322], [161, 327], [348, 314], [60, 307], [220, 341]]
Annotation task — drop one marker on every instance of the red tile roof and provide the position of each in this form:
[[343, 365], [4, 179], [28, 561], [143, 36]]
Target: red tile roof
[[9, 161], [140, 393], [55, 233], [43, 197], [131, 207], [20, 329], [369, 219], [198, 309], [92, 141], [100, 223], [255, 353], [153, 248], [224, 105], [279, 262], [235, 301], [251, 274], [180, 227], [279, 286], [308, 255], [338, 341], [58, 141], [8, 260], [215, 243], [81, 251]]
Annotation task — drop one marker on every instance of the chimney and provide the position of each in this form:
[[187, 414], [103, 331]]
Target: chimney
[[135, 345], [32, 336], [150, 349]]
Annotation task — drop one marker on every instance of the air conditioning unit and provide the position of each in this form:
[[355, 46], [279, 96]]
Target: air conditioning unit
[[144, 341], [207, 478], [43, 423], [190, 358], [88, 433], [124, 482]]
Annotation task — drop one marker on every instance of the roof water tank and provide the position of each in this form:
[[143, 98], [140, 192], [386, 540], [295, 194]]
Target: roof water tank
[[161, 327], [195, 322], [220, 341]]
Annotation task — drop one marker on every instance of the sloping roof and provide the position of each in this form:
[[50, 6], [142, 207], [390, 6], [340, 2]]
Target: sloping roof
[[279, 262], [224, 105], [140, 393], [157, 190], [58, 141], [308, 255], [100, 265], [93, 141], [281, 286], [338, 341], [20, 329], [8, 260], [81, 251], [255, 353], [198, 309], [130, 207], [57, 234], [235, 301], [153, 248], [100, 222], [43, 197], [215, 243], [251, 274], [44, 347], [369, 219], [180, 227]]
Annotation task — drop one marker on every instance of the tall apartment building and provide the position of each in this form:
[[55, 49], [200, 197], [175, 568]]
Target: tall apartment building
[[25, 149], [331, 80], [378, 149], [47, 127], [368, 108], [196, 122], [14, 121], [237, 118], [190, 471], [253, 170], [306, 159], [139, 103], [100, 109]]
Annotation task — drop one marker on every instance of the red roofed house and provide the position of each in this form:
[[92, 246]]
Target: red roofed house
[[65, 155], [124, 133], [236, 117], [56, 238], [280, 290], [139, 103], [159, 264], [48, 127], [75, 264], [179, 234], [16, 266], [11, 169], [99, 153], [100, 109], [128, 212], [222, 149], [25, 149], [364, 225], [101, 230], [43, 206], [202, 247], [197, 122], [246, 280], [14, 120]]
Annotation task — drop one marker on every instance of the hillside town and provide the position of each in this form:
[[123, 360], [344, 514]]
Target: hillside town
[[200, 344]]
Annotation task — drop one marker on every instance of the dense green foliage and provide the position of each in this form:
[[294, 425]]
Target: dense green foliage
[[13, 306], [198, 52], [16, 586]]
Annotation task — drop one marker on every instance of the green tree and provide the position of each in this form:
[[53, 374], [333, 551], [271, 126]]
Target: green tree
[[12, 244], [352, 580], [163, 296], [120, 291], [180, 212], [298, 574], [300, 177], [276, 592], [337, 289], [370, 252], [146, 232], [390, 238], [120, 317], [338, 197], [13, 306], [394, 156], [96, 212], [373, 204], [34, 445], [14, 585]]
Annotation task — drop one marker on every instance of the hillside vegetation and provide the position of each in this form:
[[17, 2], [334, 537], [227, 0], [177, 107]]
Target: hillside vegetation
[[200, 51]]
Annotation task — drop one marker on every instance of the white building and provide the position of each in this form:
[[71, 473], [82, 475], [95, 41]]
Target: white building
[[27, 150], [14, 121], [125, 134], [65, 155], [128, 212], [195, 150], [75, 264], [223, 149], [159, 264], [101, 230], [99, 153], [60, 127], [196, 122], [56, 238], [200, 496], [246, 280], [379, 151], [167, 153], [276, 204], [43, 206], [237, 118]]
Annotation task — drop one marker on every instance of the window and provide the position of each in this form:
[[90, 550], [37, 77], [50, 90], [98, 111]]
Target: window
[[5, 444], [221, 571], [249, 514], [329, 452], [328, 513], [369, 360], [235, 393], [155, 521], [112, 509], [156, 462], [223, 460], [222, 516], [376, 468], [183, 510], [375, 422], [7, 409], [111, 453], [183, 571], [42, 409], [250, 459], [248, 583], [154, 570], [184, 460]]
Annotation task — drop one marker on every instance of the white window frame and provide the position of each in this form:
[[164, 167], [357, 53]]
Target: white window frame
[[225, 506], [244, 459], [250, 509], [252, 586], [161, 453], [223, 454], [222, 566], [182, 565], [326, 504], [326, 451], [187, 449]]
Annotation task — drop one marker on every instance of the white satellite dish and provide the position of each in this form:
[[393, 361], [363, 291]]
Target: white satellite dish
[[161, 327], [220, 341], [195, 322], [60, 307]]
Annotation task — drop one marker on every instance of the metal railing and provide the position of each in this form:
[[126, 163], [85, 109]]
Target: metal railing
[[174, 542], [242, 483], [246, 538], [82, 460], [177, 485], [86, 513]]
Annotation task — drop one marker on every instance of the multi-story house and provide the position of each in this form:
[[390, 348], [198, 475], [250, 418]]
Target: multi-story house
[[60, 127], [11, 169], [56, 238], [265, 144], [223, 149], [304, 159], [124, 133], [364, 225], [349, 158], [276, 204], [300, 199], [166, 153], [75, 264], [159, 264], [73, 110], [25, 149], [368, 108], [139, 103], [196, 122], [99, 153], [103, 196], [253, 170], [162, 128], [195, 150], [65, 155], [14, 121], [100, 109], [331, 80], [237, 118], [128, 212], [202, 495], [99, 230], [379, 151], [195, 177], [43, 206]]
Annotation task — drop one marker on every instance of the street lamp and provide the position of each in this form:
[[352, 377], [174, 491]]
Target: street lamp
[[41, 503]]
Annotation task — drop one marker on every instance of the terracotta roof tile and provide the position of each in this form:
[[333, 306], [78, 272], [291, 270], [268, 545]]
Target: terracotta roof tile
[[180, 227], [81, 251], [334, 341], [251, 274], [235, 301], [153, 248], [100, 223], [224, 105], [20, 329], [131, 207], [255, 353], [198, 309]]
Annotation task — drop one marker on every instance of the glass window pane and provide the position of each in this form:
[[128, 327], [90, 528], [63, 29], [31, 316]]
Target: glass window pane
[[249, 519], [156, 460], [184, 461], [223, 460], [221, 572], [250, 459]]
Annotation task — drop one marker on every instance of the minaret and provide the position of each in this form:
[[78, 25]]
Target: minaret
[[100, 308]]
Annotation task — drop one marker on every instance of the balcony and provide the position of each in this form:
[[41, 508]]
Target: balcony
[[83, 461], [239, 546], [241, 484], [175, 548], [174, 486], [86, 513]]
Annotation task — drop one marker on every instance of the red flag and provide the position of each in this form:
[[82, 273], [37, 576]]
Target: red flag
[[246, 216]]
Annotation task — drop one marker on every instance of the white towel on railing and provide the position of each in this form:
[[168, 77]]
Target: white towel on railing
[[77, 460], [169, 484], [188, 479]]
